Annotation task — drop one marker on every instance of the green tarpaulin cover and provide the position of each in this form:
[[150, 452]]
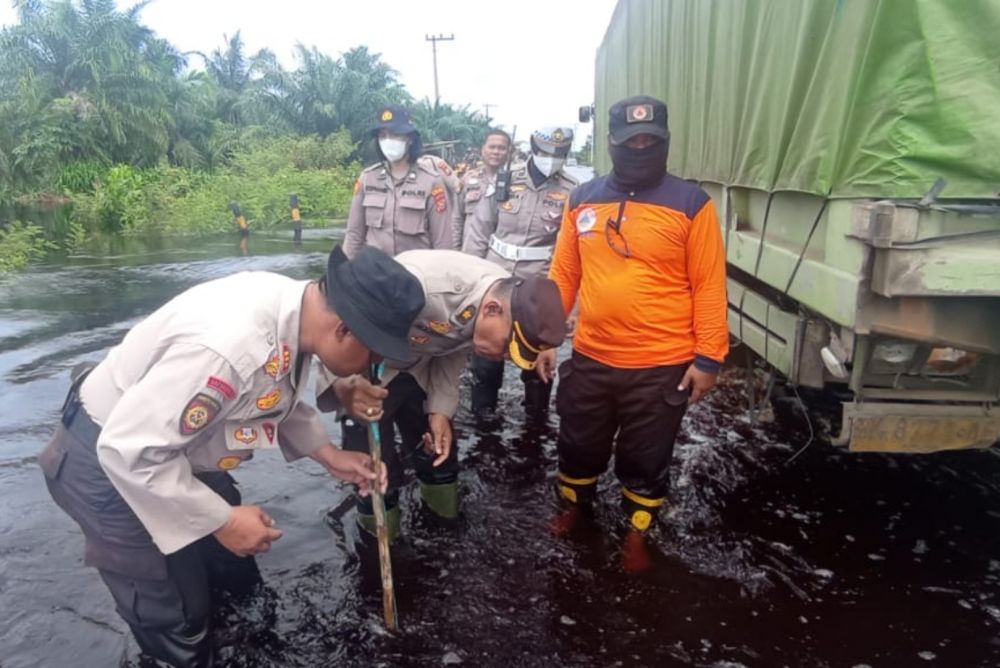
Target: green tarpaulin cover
[[859, 98]]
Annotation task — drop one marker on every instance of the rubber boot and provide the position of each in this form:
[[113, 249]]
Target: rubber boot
[[640, 510], [576, 495], [487, 377], [441, 499], [536, 395], [393, 519], [636, 557]]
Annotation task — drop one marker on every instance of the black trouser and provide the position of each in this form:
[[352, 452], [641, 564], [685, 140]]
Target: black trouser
[[403, 409], [487, 378], [635, 412], [166, 599]]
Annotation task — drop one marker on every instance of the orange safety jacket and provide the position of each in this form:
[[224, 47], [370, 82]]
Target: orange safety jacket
[[649, 270]]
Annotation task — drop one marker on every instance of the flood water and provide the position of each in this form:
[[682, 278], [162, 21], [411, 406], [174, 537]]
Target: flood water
[[830, 559]]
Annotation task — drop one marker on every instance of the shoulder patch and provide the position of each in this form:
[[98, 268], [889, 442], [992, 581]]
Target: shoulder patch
[[222, 387], [198, 413]]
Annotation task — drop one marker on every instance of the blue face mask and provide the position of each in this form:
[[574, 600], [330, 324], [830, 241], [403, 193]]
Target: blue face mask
[[639, 166]]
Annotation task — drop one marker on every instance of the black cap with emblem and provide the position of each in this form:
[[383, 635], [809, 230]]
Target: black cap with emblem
[[376, 298], [637, 115], [538, 322], [395, 118]]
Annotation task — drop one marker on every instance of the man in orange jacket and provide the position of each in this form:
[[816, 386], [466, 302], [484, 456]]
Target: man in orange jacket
[[641, 251]]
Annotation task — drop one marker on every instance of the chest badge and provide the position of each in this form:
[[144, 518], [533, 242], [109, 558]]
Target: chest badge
[[439, 327], [269, 400], [273, 365], [229, 463], [246, 435], [467, 314], [586, 220]]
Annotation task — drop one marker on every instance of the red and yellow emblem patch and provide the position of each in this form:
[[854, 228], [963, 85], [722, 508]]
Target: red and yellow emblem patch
[[357, 186], [269, 400], [419, 339], [222, 387], [386, 116], [273, 365], [198, 413], [245, 435], [286, 358], [269, 431], [440, 199]]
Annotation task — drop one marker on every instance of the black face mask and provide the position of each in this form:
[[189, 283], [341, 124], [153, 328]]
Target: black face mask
[[639, 166]]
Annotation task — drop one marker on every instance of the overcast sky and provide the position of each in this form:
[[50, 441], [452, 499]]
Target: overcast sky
[[533, 59]]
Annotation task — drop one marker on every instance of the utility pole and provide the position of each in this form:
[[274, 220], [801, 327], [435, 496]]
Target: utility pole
[[487, 106], [434, 39]]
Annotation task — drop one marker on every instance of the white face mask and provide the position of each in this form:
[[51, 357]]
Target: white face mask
[[547, 164], [392, 149]]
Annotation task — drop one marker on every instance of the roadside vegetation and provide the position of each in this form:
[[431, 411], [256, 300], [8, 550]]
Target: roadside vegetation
[[104, 120]]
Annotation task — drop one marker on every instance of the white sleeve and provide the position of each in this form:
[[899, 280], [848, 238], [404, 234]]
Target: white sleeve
[[141, 447]]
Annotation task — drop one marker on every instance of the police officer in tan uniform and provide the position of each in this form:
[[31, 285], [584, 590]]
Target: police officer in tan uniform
[[471, 303], [519, 235], [148, 436], [403, 202], [478, 182]]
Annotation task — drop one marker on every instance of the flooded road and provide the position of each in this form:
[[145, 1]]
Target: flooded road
[[829, 559]]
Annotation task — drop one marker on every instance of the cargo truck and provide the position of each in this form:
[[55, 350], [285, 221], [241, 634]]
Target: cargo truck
[[852, 149]]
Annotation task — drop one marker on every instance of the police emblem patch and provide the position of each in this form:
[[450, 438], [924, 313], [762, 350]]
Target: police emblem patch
[[637, 113], [386, 115], [558, 135], [198, 413], [245, 435], [269, 400], [467, 314], [229, 463], [585, 220]]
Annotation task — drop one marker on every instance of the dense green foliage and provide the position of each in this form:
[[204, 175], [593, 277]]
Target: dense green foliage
[[96, 110], [21, 243]]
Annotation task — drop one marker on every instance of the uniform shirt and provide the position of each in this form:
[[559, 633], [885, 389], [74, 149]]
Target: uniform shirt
[[477, 183], [198, 386], [666, 304], [454, 284], [395, 217], [531, 217]]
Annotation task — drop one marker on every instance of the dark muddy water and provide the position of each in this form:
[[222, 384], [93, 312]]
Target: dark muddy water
[[830, 560]]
